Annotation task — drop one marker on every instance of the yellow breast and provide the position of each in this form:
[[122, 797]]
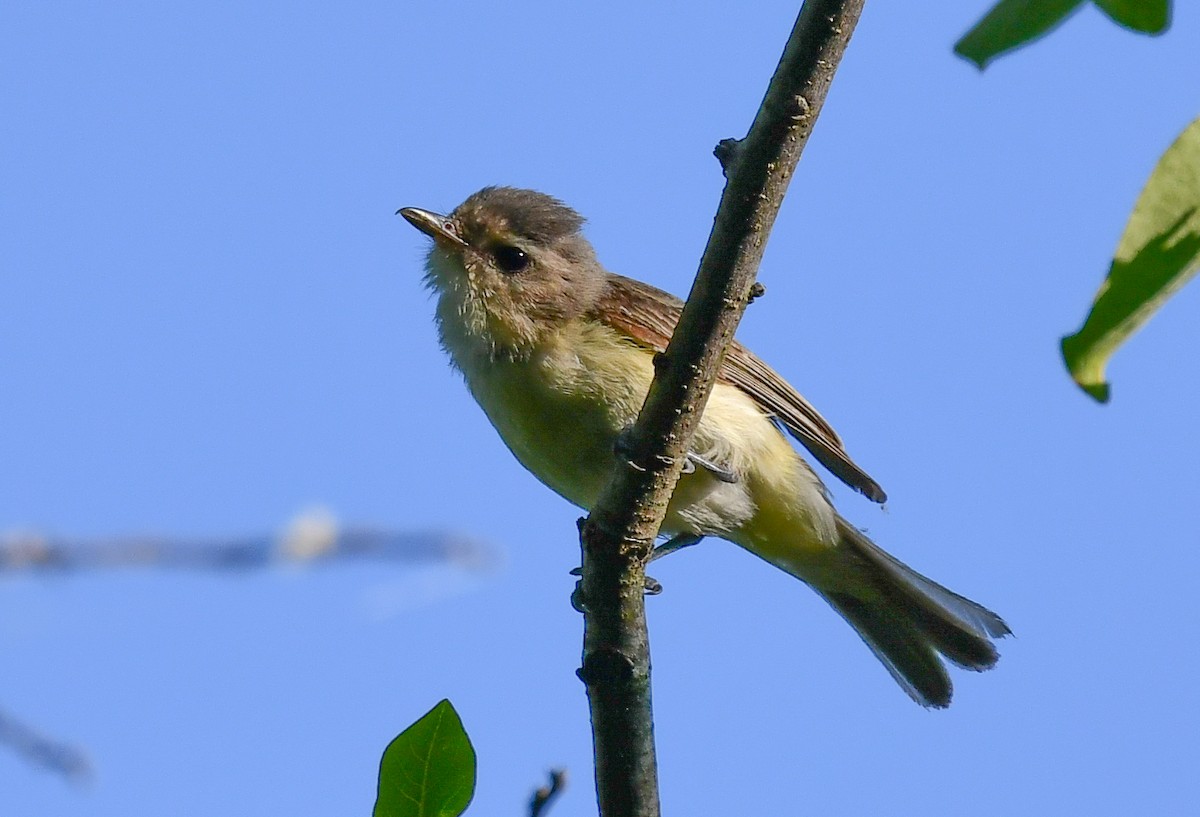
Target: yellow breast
[[560, 411]]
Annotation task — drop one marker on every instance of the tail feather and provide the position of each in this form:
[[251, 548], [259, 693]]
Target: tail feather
[[969, 614], [907, 655], [908, 620]]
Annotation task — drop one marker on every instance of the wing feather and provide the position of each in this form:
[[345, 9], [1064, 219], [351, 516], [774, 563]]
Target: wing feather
[[648, 316]]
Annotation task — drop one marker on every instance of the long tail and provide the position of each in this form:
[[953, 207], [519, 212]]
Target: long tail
[[909, 620]]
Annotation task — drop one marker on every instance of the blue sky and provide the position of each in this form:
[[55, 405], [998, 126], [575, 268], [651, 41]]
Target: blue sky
[[210, 318]]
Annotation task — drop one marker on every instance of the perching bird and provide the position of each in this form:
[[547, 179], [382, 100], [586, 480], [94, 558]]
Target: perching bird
[[559, 354]]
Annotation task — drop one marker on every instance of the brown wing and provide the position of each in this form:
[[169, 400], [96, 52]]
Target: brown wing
[[648, 315]]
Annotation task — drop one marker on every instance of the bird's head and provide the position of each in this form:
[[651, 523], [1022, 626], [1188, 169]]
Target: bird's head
[[510, 266]]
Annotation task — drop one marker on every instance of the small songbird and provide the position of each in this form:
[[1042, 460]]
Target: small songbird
[[559, 354]]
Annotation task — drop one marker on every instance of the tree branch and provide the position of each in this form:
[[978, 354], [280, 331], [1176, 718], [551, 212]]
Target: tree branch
[[539, 804], [313, 537], [619, 534], [44, 751]]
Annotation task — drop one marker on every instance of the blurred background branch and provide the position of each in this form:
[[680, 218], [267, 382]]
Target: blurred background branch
[[312, 537], [44, 751]]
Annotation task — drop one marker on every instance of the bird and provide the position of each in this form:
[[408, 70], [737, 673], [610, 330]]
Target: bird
[[559, 353]]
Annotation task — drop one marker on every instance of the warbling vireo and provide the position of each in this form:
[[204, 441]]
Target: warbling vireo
[[559, 354]]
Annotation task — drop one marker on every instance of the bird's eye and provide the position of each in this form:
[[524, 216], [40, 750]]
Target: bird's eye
[[511, 259]]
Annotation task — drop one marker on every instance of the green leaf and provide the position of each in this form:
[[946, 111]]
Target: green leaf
[[1014, 23], [1146, 16], [429, 769], [1158, 252], [1011, 24]]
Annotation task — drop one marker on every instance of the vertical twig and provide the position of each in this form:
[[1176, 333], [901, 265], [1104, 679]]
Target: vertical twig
[[620, 532], [539, 804]]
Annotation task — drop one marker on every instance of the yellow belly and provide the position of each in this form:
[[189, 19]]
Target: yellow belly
[[560, 413]]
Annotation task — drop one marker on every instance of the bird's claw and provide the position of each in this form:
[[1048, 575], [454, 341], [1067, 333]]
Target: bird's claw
[[723, 474], [676, 542]]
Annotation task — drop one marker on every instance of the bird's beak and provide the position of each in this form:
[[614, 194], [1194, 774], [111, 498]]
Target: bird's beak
[[439, 228]]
